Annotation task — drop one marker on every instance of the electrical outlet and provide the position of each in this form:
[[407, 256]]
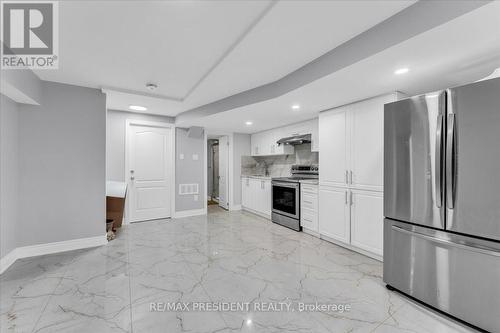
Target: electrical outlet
[[181, 156], [195, 157]]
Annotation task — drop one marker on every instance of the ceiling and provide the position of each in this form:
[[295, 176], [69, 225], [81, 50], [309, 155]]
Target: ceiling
[[198, 52], [460, 51]]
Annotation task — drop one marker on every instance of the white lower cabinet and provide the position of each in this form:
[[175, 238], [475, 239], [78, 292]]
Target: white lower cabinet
[[334, 213], [256, 195], [353, 217], [367, 222]]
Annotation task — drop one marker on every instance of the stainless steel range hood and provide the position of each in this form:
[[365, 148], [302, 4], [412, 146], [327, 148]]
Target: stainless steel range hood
[[295, 140]]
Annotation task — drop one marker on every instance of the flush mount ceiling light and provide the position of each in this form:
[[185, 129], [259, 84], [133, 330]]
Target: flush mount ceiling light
[[401, 71], [295, 107], [137, 108], [249, 123]]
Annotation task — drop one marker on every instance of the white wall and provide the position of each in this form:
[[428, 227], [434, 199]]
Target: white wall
[[240, 147], [62, 165], [8, 175], [115, 140], [189, 171]]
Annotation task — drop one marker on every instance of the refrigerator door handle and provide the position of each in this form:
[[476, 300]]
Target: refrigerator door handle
[[450, 162], [439, 159]]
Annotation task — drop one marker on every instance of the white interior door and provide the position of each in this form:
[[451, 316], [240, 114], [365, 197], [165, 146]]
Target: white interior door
[[224, 172], [149, 151]]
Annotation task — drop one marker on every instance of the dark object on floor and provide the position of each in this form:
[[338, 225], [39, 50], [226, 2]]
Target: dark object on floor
[[110, 230], [212, 202]]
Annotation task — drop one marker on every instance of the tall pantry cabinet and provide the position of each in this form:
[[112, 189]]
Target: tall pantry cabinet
[[351, 141]]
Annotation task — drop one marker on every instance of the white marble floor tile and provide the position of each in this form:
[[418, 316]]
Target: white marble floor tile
[[215, 259]]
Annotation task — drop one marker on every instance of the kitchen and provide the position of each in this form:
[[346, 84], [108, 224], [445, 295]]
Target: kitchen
[[342, 199]]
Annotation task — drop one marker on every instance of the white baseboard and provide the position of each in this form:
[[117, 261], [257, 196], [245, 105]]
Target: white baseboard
[[311, 232], [50, 248], [235, 207], [352, 248], [192, 212], [266, 216]]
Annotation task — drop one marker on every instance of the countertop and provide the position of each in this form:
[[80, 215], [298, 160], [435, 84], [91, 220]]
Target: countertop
[[256, 177], [116, 189]]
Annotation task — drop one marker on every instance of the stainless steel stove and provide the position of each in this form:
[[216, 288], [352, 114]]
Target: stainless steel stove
[[286, 195]]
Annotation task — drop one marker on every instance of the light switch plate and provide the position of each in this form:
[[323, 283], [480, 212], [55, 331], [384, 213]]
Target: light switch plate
[[181, 156], [195, 157]]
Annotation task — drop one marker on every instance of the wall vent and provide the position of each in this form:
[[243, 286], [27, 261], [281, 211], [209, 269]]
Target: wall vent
[[187, 189]]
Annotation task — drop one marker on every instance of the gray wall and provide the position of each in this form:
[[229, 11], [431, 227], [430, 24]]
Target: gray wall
[[8, 175], [241, 147], [115, 140], [189, 171], [62, 165]]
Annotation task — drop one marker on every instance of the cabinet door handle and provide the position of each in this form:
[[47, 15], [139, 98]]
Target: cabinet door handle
[[346, 177], [350, 176], [346, 197], [352, 201]]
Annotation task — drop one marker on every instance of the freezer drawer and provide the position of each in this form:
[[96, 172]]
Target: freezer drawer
[[456, 274]]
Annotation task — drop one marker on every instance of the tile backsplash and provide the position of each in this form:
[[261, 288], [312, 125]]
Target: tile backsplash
[[278, 165]]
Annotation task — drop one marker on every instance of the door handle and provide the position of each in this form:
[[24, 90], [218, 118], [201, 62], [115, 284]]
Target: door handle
[[450, 162], [132, 177], [438, 162], [465, 246]]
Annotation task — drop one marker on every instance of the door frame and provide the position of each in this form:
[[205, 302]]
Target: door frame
[[226, 171], [170, 162]]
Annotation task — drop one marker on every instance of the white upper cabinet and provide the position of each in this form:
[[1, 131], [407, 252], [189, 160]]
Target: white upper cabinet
[[315, 135], [333, 161], [265, 143], [367, 144], [352, 144]]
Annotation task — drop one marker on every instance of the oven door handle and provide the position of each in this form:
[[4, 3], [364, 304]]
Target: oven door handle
[[283, 184]]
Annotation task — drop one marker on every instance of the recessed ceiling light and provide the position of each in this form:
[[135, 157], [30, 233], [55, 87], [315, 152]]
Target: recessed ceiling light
[[295, 107], [151, 86], [249, 123], [137, 108], [249, 321], [401, 71]]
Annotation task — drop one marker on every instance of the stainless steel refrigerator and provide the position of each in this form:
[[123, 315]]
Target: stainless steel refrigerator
[[442, 200]]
